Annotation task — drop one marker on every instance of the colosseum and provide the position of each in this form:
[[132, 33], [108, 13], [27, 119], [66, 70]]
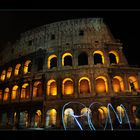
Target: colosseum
[[57, 75]]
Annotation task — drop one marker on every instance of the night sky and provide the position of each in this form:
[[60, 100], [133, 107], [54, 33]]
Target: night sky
[[124, 25]]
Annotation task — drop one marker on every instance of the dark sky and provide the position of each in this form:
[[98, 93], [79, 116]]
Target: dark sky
[[124, 25]]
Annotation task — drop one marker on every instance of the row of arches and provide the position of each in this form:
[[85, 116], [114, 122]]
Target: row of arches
[[67, 60], [84, 87], [25, 119], [98, 55], [6, 74]]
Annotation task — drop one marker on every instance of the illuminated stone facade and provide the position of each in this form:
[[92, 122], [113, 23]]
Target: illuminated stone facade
[[74, 60]]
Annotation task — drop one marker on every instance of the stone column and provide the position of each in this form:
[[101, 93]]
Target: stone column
[[59, 87], [126, 84], [90, 58], [110, 85], [76, 86], [59, 123], [59, 60], [92, 82]]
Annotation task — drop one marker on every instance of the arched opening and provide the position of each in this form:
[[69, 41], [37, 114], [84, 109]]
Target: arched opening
[[51, 118], [84, 85], [15, 119], [68, 118], [14, 92], [98, 57], [24, 119], [136, 114], [37, 118], [118, 85], [37, 89], [4, 119], [103, 113], [17, 69], [133, 83], [85, 112], [9, 72], [51, 88], [82, 59], [120, 111], [27, 66], [67, 86], [101, 85], [67, 59], [0, 95], [3, 75], [114, 58], [25, 91], [6, 94], [52, 61]]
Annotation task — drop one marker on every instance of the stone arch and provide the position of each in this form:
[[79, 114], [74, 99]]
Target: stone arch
[[25, 91], [52, 61], [118, 84], [101, 84], [120, 111], [68, 117], [82, 59], [17, 69], [3, 75], [37, 89], [85, 112], [103, 113], [24, 119], [51, 118], [52, 88], [14, 95], [6, 94], [133, 83], [67, 59], [98, 57], [84, 85], [27, 66], [37, 118], [67, 86], [113, 57], [9, 72]]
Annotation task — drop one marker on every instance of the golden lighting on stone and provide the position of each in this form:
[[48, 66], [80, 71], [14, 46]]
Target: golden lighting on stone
[[49, 60], [118, 84], [84, 85], [9, 72], [67, 86], [135, 82], [51, 88], [39, 112], [36, 88], [103, 112], [26, 66], [51, 114], [63, 57], [6, 94], [120, 110], [116, 55], [14, 92], [85, 111], [17, 69], [23, 90], [101, 84], [3, 74], [67, 115], [102, 55]]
